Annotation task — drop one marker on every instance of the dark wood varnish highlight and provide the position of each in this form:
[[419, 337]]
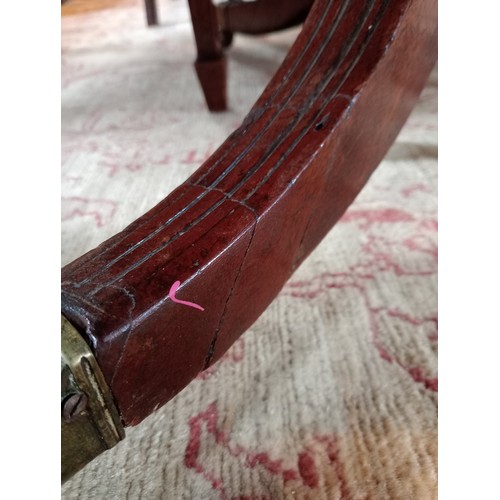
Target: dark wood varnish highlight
[[236, 230]]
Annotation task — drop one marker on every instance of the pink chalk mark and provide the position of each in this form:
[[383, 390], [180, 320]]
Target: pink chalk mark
[[172, 292]]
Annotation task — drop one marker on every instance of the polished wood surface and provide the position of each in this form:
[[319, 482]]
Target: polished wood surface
[[235, 231]]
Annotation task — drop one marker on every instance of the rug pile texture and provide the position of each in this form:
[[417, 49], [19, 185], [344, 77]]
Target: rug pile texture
[[332, 394]]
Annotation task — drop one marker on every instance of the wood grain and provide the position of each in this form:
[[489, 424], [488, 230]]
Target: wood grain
[[236, 230]]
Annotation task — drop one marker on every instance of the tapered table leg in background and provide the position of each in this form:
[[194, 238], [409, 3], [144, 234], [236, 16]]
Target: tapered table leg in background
[[151, 12], [210, 64]]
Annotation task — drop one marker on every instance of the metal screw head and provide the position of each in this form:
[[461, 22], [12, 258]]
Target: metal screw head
[[74, 405]]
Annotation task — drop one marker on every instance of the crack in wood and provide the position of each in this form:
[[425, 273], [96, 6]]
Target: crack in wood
[[211, 349]]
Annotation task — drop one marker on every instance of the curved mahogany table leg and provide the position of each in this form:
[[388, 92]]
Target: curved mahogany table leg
[[165, 298]]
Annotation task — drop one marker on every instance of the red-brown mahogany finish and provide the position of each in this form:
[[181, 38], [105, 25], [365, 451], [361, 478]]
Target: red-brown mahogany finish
[[235, 231], [214, 25]]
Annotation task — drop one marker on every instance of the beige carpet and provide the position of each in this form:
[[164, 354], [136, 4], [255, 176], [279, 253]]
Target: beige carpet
[[332, 394]]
